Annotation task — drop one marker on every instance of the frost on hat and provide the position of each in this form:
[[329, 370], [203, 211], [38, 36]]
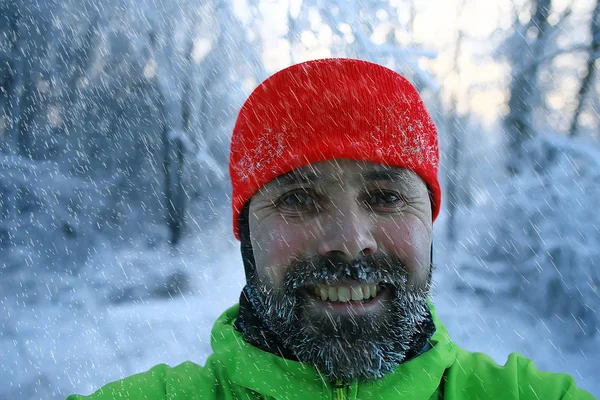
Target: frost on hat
[[325, 109]]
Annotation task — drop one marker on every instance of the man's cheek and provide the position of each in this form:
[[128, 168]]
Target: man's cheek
[[280, 248], [409, 242], [289, 239]]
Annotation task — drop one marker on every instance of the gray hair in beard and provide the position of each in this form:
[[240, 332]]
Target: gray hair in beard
[[345, 346]]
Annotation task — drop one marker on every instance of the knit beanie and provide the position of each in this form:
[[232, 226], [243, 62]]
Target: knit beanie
[[325, 109]]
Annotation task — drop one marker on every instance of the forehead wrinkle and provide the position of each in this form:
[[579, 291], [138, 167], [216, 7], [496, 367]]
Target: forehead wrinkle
[[392, 174], [309, 175], [300, 177]]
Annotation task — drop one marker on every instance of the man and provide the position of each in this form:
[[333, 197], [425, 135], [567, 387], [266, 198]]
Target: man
[[334, 173]]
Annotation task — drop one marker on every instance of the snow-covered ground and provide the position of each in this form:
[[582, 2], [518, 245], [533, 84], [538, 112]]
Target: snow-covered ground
[[75, 345]]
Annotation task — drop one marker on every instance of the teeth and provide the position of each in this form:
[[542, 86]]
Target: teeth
[[333, 293], [357, 293], [345, 293], [323, 292], [366, 291]]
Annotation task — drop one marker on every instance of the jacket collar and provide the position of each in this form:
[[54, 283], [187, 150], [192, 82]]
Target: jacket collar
[[272, 375]]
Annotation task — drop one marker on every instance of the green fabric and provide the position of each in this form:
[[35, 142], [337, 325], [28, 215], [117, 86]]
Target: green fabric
[[237, 370]]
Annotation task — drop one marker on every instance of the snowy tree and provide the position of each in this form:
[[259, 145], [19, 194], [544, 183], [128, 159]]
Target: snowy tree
[[367, 30], [455, 133], [528, 240], [85, 97], [534, 239], [593, 56], [527, 45], [106, 91]]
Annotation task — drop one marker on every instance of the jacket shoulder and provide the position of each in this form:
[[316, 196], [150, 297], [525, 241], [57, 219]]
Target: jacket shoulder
[[478, 376], [185, 381]]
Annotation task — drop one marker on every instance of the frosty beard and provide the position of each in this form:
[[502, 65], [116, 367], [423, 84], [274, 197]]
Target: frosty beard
[[344, 346]]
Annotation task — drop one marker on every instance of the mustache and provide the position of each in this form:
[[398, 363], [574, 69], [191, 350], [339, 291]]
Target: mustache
[[378, 269]]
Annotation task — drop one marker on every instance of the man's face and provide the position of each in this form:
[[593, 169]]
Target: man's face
[[342, 254]]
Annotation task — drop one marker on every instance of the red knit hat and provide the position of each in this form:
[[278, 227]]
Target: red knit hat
[[326, 109]]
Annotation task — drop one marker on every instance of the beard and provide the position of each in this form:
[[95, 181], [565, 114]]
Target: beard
[[345, 346]]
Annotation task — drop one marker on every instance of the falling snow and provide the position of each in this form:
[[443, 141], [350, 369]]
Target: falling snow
[[116, 251]]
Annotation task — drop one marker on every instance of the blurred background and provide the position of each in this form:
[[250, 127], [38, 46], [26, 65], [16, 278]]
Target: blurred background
[[116, 250]]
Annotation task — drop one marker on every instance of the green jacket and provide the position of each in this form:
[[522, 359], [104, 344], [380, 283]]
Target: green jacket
[[238, 370]]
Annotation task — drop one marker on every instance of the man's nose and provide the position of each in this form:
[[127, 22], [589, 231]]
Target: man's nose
[[349, 234]]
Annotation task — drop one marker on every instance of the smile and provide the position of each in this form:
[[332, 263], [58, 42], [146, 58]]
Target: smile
[[344, 294]]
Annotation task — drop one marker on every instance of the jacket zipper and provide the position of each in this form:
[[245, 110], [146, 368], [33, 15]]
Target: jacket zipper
[[338, 390]]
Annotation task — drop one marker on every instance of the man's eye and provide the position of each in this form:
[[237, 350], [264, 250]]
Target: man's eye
[[298, 199], [383, 198]]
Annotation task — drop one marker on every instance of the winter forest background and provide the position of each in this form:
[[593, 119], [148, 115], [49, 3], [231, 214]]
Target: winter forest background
[[116, 251]]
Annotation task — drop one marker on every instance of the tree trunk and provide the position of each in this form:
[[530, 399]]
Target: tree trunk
[[586, 82], [16, 84], [173, 169], [523, 87], [454, 131]]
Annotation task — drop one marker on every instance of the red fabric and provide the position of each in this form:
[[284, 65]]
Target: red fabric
[[325, 109]]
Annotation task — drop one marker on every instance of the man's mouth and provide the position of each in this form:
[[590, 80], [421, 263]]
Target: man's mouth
[[344, 294]]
